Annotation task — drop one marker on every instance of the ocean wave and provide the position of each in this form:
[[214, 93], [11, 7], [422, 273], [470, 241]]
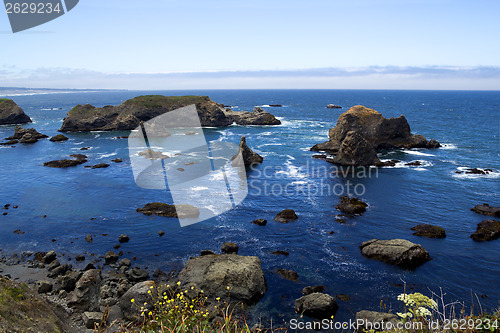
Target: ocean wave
[[495, 174], [403, 164], [448, 146], [101, 156], [416, 152]]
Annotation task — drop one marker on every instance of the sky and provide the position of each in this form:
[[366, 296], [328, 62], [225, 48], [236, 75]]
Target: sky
[[219, 44]]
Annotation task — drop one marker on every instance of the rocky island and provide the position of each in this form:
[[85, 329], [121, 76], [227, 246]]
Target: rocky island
[[361, 132], [129, 114], [11, 113]]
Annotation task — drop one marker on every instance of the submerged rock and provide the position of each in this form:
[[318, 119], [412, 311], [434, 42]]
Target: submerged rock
[[428, 230], [399, 252], [11, 113], [317, 305], [249, 156], [486, 209], [239, 277], [313, 289], [288, 274], [261, 222], [286, 216], [360, 132], [163, 209], [351, 206], [259, 116], [487, 230]]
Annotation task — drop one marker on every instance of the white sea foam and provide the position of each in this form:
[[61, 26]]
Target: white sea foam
[[448, 146], [402, 164], [199, 188], [495, 174], [415, 152], [101, 156]]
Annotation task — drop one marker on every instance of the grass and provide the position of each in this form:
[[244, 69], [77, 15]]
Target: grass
[[172, 310], [159, 101]]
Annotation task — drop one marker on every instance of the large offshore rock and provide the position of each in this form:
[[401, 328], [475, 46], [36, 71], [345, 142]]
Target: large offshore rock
[[239, 277], [259, 116], [399, 252], [11, 113], [249, 156]]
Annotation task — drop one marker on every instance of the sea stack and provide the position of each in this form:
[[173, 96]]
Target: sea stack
[[361, 132], [11, 113]]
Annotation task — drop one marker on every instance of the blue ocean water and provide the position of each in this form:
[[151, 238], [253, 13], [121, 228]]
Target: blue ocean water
[[79, 201]]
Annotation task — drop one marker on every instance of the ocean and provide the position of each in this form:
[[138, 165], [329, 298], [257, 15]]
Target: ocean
[[79, 201]]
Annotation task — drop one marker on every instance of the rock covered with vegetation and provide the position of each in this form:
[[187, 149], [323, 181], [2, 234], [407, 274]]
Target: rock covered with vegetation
[[361, 132], [11, 113], [131, 113]]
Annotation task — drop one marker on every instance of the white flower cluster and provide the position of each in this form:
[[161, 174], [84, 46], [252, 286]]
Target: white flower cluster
[[418, 305]]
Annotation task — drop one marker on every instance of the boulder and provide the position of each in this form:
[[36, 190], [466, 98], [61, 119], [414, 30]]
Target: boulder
[[239, 277], [399, 252], [487, 230], [163, 209], [65, 163], [367, 319], [85, 297], [43, 286], [366, 131], [91, 319], [260, 222], [123, 238], [68, 281], [286, 216], [313, 289], [138, 293], [110, 258], [58, 138], [99, 166], [229, 248], [137, 274], [28, 134], [249, 156], [49, 257], [288, 274], [317, 305], [486, 209], [11, 113], [428, 230], [351, 206], [258, 117]]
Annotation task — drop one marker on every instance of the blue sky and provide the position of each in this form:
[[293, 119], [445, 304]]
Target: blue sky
[[168, 44]]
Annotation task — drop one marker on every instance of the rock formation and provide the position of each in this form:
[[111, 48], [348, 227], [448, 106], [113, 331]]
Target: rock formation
[[486, 209], [399, 252], [351, 206], [259, 116], [163, 209], [249, 156], [130, 114], [428, 230], [29, 135], [487, 230], [239, 277], [286, 216], [317, 305], [11, 113], [360, 132]]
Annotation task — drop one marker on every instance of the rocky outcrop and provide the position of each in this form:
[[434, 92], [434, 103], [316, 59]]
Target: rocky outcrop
[[239, 277], [360, 132], [259, 116], [286, 216], [399, 252], [58, 138], [365, 320], [428, 230], [131, 113], [317, 305], [138, 293], [487, 230], [486, 209], [333, 106], [11, 113], [163, 209], [66, 163], [249, 156], [29, 135], [351, 206], [86, 294]]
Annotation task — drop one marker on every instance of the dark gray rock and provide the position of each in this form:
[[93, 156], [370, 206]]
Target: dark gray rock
[[92, 319], [399, 252], [260, 222], [369, 319], [288, 274], [68, 281], [487, 230], [11, 113], [317, 305], [123, 238], [351, 206], [229, 248], [163, 209], [428, 230], [110, 258], [43, 286], [138, 293], [49, 257], [249, 156], [58, 138], [486, 209], [258, 117], [85, 297], [286, 216], [313, 289], [137, 274], [214, 273]]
